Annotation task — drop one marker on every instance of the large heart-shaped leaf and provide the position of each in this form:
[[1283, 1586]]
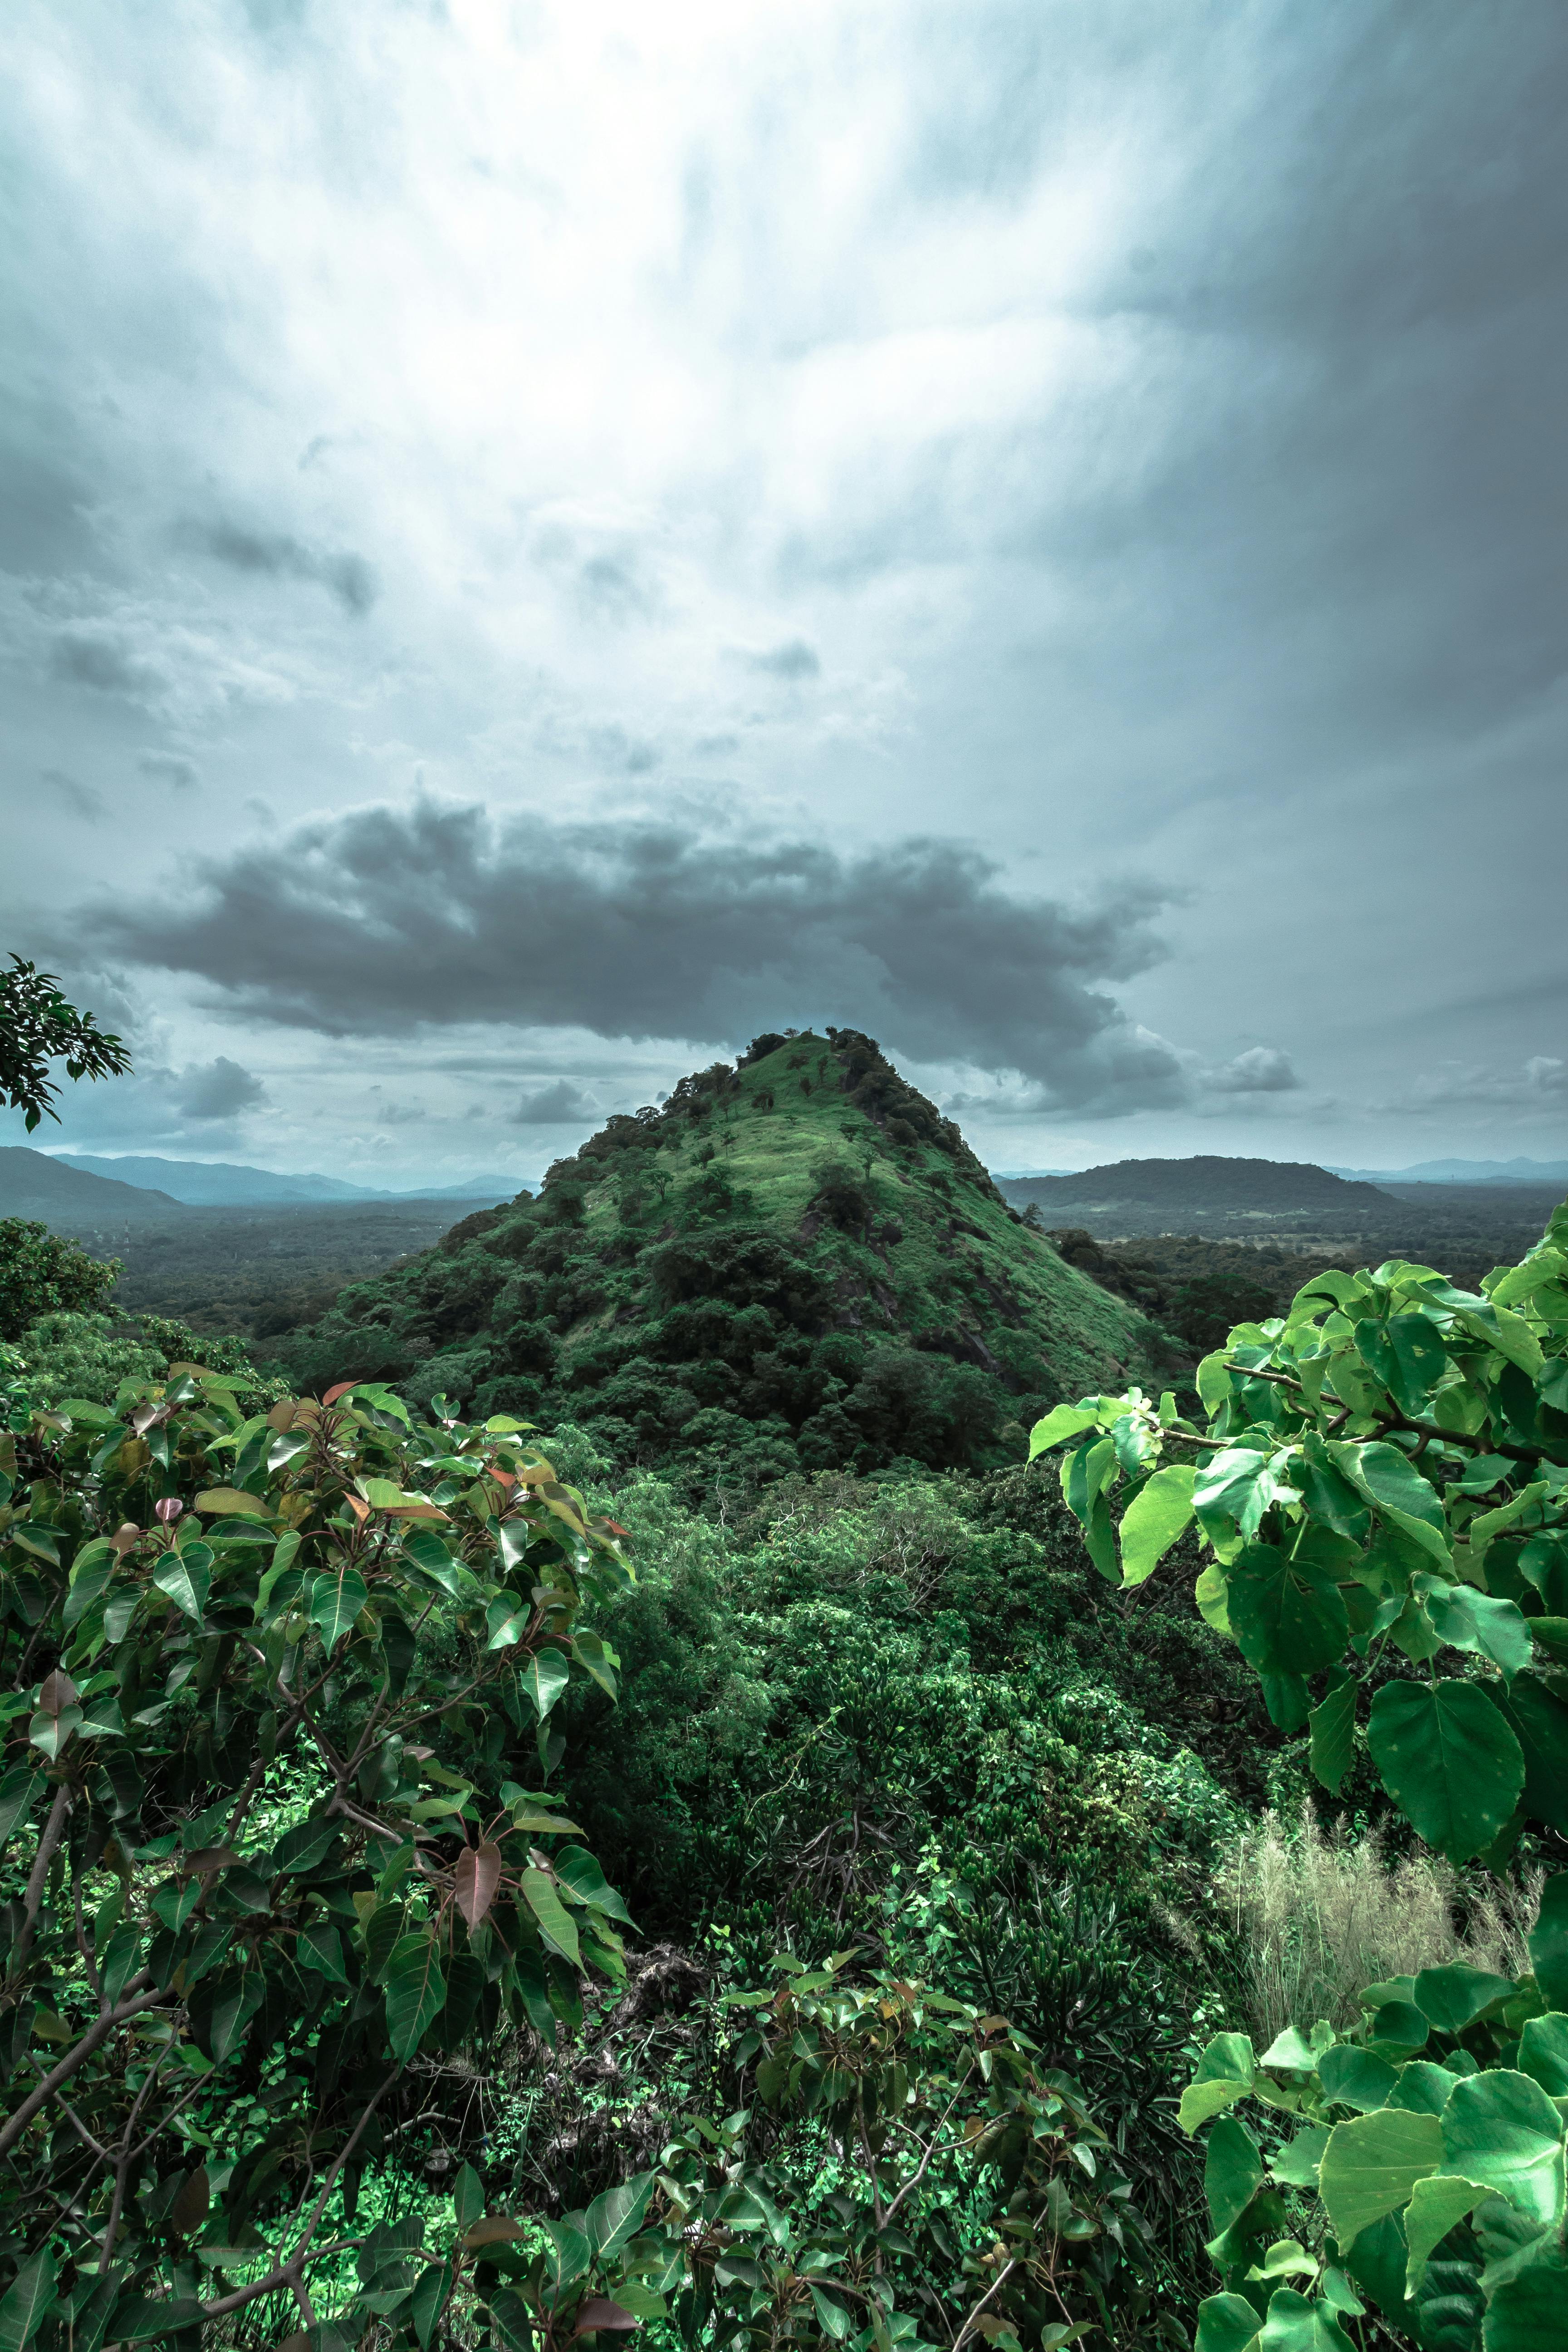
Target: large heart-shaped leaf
[[1449, 1761]]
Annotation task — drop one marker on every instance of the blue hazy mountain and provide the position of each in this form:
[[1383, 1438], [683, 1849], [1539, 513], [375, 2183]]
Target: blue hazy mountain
[[221, 1183], [1465, 1172]]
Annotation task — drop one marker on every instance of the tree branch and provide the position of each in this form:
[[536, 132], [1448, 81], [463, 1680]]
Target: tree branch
[[97, 2033]]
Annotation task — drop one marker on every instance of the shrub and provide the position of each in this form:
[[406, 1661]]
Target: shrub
[[43, 1272]]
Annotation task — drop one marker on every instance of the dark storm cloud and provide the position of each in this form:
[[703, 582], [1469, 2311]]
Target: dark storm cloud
[[553, 1105], [275, 555], [217, 1089], [389, 918], [1261, 1070], [100, 657]]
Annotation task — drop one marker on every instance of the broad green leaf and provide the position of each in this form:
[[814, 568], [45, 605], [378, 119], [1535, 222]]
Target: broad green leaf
[[1526, 2312], [1153, 1519], [320, 1950], [835, 2321], [584, 1875], [468, 2197], [1448, 1760], [1454, 1996], [597, 1659], [1233, 2172], [1212, 1594], [416, 1989], [1353, 2078], [91, 1572], [1548, 1942], [1235, 1487], [18, 1794], [1502, 2129], [1390, 1480], [186, 1581], [1287, 1616], [1226, 2323], [1297, 2163], [300, 1849], [1227, 2072], [1300, 2323], [1468, 1620], [1333, 1725], [1539, 1718], [556, 1924], [1063, 1421], [336, 1600], [543, 1678], [506, 1620], [431, 2290], [1435, 2204], [1370, 2165], [1424, 2087], [27, 2301], [1544, 2053], [617, 2215]]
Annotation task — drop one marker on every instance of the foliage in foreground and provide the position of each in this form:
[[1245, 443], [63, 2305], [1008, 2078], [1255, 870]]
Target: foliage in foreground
[[1383, 1485], [1432, 2134], [43, 1272], [210, 2030]]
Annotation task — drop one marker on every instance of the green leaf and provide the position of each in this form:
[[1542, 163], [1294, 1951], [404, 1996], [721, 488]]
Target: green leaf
[[1455, 1996], [1502, 2129], [594, 1655], [1468, 1620], [467, 2197], [1541, 1721], [555, 1921], [301, 1849], [1370, 2165], [1424, 2087], [1300, 2323], [1063, 1421], [1390, 1480], [584, 1875], [1234, 1487], [185, 1579], [1297, 2163], [27, 2302], [1436, 2205], [1233, 2172], [431, 2290], [320, 1950], [507, 1621], [1448, 1760], [835, 2321], [1227, 2071], [1226, 2323], [1332, 1723], [1153, 1519], [416, 1989], [1287, 1616], [1525, 2313], [336, 1601], [1353, 2078], [1544, 2053], [617, 2215], [91, 1572], [1548, 1942], [543, 1678], [18, 1795]]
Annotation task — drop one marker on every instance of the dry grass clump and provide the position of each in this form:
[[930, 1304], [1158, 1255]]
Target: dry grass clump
[[1321, 1914]]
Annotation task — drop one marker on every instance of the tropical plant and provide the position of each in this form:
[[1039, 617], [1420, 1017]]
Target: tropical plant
[[1427, 2165], [1382, 1485], [277, 1699], [39, 1026]]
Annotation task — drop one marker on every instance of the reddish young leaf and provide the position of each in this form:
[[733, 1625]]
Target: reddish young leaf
[[597, 2311], [342, 1390], [59, 1692], [475, 1880]]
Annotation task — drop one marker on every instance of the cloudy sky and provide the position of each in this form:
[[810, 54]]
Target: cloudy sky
[[540, 537]]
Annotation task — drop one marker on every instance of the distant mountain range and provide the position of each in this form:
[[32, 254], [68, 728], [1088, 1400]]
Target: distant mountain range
[[77, 1195], [1466, 1171], [221, 1183], [1203, 1185]]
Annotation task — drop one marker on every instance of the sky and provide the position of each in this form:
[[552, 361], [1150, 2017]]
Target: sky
[[539, 540]]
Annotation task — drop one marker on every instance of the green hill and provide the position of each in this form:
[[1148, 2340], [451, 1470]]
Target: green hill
[[795, 1262]]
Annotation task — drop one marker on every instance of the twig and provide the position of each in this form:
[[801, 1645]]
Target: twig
[[97, 2033], [48, 1845]]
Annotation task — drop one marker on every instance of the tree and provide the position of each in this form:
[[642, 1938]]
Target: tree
[[37, 1026], [46, 1274], [1382, 1487]]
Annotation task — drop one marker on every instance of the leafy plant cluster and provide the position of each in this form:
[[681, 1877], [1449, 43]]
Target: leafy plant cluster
[[211, 2030], [1382, 1486], [1426, 2157]]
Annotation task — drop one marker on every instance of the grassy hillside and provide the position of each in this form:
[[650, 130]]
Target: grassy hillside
[[1206, 1184], [794, 1263]]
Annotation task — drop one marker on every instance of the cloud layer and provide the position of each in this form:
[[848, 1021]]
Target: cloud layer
[[393, 918]]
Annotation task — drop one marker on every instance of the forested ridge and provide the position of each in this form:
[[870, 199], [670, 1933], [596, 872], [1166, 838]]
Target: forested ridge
[[743, 1753]]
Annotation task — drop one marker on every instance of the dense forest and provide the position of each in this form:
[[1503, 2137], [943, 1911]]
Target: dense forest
[[755, 1751]]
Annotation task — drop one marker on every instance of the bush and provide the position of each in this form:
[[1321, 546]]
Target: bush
[[43, 1272]]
